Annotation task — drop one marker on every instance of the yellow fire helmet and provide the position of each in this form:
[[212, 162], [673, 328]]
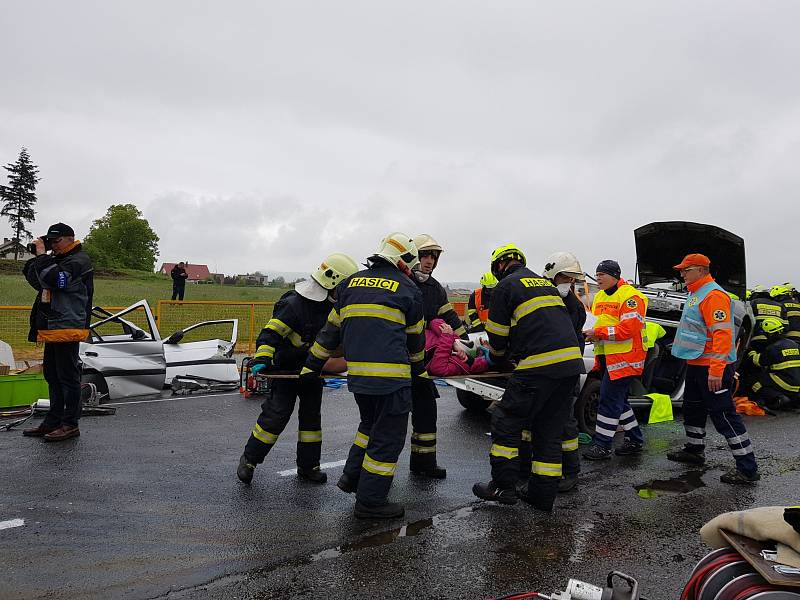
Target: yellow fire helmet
[[772, 325], [779, 290], [424, 241], [488, 280], [399, 249], [506, 252], [335, 268]]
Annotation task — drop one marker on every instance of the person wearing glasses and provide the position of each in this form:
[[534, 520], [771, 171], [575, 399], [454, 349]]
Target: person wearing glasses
[[423, 391], [619, 349], [705, 339], [64, 280]]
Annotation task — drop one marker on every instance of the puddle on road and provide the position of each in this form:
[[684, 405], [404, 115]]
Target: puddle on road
[[388, 537], [691, 480]]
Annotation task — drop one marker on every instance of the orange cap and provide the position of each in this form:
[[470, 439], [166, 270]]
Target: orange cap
[[693, 260]]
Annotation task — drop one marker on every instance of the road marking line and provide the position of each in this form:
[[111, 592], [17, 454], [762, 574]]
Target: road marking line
[[167, 399], [12, 523], [329, 465]]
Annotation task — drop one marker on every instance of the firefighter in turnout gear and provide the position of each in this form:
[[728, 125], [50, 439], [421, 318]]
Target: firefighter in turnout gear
[[764, 305], [705, 339], [283, 344], [619, 348], [529, 325], [423, 390], [786, 295], [378, 319], [777, 385], [478, 304]]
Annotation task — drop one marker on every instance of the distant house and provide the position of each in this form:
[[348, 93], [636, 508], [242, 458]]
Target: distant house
[[8, 247], [252, 279], [195, 272]]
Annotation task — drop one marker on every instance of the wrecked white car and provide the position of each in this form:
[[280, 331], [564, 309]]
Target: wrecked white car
[[124, 359], [659, 246]]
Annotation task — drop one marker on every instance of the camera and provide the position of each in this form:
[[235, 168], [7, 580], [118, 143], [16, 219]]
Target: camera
[[47, 245]]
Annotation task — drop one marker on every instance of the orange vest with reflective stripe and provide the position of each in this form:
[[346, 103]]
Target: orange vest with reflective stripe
[[624, 355], [483, 311]]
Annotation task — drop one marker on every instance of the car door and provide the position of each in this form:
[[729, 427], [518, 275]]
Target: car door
[[203, 350], [125, 354]]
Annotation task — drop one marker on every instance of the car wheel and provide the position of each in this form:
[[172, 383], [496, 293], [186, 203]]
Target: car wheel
[[586, 405], [471, 401]]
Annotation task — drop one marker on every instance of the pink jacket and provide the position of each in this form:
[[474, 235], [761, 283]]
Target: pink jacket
[[444, 363]]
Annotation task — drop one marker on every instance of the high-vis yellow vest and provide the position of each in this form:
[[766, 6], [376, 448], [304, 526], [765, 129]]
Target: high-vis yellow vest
[[624, 357]]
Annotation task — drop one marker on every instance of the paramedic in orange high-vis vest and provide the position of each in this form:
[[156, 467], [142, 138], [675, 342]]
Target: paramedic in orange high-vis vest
[[706, 340], [478, 304], [620, 352]]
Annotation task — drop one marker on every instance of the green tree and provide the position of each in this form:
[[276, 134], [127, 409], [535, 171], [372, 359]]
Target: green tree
[[122, 238], [19, 197]]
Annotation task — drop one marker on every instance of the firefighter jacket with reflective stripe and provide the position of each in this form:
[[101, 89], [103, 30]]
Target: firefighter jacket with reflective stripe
[[620, 327], [529, 324], [63, 306], [705, 333], [378, 319], [781, 360], [436, 305], [295, 323], [478, 310], [793, 317], [766, 307]]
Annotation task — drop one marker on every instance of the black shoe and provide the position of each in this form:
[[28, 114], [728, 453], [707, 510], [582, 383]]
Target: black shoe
[[595, 452], [435, 472], [313, 475], [685, 456], [245, 470], [390, 510], [566, 484], [737, 477], [629, 448], [492, 493], [347, 485]]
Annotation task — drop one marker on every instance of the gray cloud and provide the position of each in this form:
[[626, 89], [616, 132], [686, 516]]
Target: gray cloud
[[264, 135]]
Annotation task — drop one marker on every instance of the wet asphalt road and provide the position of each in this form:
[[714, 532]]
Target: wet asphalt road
[[146, 504]]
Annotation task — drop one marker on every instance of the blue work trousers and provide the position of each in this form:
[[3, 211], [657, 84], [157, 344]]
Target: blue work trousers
[[615, 410]]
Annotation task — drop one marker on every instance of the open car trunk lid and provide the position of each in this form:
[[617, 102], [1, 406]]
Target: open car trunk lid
[[661, 245]]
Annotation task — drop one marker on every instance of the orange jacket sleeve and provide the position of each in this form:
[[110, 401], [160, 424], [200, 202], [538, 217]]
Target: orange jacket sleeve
[[631, 322], [716, 308]]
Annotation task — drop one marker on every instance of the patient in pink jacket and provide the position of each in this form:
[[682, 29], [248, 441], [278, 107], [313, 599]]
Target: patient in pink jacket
[[447, 355]]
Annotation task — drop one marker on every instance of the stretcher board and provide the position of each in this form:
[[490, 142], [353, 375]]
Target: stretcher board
[[750, 550], [342, 375]]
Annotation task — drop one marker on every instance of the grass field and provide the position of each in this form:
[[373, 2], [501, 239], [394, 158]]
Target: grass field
[[124, 288]]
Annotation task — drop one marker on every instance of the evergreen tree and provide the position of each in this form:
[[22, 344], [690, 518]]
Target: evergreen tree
[[19, 196]]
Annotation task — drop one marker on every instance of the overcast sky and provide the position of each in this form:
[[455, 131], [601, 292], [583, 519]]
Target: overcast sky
[[264, 135]]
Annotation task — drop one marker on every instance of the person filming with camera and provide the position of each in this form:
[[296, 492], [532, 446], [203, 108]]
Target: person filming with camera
[[62, 274]]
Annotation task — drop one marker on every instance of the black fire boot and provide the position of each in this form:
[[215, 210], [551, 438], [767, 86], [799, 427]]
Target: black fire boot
[[245, 470], [347, 485], [492, 493], [686, 456], [314, 475]]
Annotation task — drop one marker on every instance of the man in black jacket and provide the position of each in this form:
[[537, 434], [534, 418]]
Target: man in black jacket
[[529, 327], [179, 276], [423, 391], [60, 317], [378, 320], [284, 344]]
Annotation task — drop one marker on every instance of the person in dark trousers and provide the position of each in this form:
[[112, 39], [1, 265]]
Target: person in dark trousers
[[179, 275], [423, 391], [529, 326], [777, 385], [64, 280], [378, 320], [705, 340], [283, 345], [564, 270]]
